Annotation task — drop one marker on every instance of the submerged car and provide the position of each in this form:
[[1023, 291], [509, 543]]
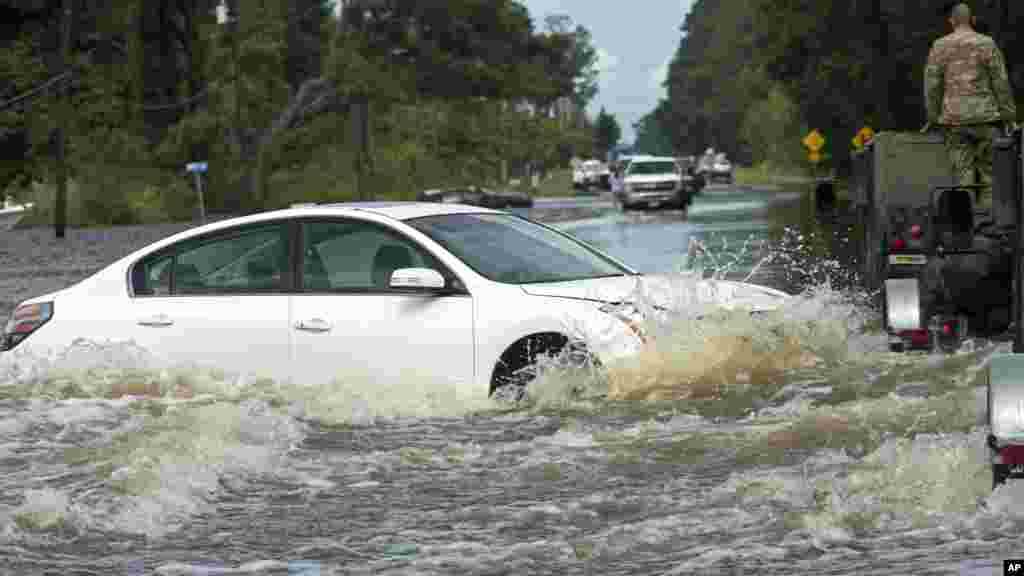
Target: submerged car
[[442, 293], [477, 196], [11, 213], [591, 173], [721, 169]]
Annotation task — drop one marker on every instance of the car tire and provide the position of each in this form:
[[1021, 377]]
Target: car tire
[[518, 365]]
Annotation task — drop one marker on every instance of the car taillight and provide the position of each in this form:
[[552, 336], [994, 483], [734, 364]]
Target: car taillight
[[25, 320], [916, 232], [897, 244], [947, 329]]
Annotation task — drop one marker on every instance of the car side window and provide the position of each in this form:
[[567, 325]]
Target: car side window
[[360, 256], [254, 259], [153, 277]]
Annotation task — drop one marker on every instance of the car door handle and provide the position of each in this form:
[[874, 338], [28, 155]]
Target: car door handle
[[313, 325], [156, 320]]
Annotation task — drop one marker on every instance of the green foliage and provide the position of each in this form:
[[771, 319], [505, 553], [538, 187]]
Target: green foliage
[[651, 134], [774, 130], [442, 77], [745, 67], [607, 132]]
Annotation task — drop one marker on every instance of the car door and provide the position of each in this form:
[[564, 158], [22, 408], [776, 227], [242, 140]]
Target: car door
[[347, 323], [219, 300]]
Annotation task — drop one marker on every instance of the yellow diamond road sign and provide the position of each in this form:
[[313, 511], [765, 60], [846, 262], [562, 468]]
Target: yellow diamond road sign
[[814, 141], [814, 156]]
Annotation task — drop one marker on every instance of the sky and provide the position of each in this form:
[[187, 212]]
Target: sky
[[635, 43]]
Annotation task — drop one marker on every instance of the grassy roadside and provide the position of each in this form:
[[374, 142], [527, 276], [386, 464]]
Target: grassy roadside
[[558, 184], [768, 175], [149, 206], [765, 174]]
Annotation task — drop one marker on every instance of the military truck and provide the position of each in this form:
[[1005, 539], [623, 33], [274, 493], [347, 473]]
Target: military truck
[[942, 272]]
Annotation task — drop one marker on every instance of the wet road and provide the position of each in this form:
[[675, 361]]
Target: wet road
[[791, 444]]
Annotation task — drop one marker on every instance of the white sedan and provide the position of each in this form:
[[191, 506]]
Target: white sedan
[[443, 292]]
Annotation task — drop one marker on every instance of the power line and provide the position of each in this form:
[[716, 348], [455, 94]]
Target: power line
[[33, 92]]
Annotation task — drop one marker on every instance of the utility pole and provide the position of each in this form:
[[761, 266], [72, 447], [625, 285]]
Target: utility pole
[[234, 200], [359, 112], [880, 64], [63, 116]]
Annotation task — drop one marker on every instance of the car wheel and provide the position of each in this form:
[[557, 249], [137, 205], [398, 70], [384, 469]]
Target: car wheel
[[519, 365]]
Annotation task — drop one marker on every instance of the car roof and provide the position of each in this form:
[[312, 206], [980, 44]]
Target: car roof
[[398, 210], [654, 159]]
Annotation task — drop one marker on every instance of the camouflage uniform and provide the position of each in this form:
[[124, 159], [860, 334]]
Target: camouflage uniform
[[967, 92]]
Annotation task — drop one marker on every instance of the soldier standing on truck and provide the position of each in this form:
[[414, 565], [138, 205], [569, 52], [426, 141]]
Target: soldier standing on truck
[[967, 93]]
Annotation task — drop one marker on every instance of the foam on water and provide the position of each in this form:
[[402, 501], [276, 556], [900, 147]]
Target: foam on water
[[364, 401], [695, 357], [147, 445]]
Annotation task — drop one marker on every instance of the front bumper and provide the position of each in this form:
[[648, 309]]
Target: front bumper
[[651, 199]]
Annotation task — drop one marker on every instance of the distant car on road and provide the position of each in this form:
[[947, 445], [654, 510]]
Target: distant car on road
[[695, 180], [653, 182], [477, 196], [592, 173], [447, 294], [721, 169], [11, 213]]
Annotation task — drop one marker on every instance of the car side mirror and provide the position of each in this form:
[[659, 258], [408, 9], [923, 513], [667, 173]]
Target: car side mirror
[[417, 279]]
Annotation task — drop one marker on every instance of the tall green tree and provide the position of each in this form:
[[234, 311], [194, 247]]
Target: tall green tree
[[831, 65], [606, 132], [266, 96], [579, 63], [651, 136]]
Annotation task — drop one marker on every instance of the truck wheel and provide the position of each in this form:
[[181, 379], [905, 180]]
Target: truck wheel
[[998, 476]]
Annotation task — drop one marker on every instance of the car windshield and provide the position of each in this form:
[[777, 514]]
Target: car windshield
[[644, 168], [513, 250]]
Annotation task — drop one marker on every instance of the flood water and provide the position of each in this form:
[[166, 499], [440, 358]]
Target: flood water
[[791, 443]]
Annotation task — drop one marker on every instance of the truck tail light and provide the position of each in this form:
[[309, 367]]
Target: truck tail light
[[1012, 455], [897, 244], [25, 320]]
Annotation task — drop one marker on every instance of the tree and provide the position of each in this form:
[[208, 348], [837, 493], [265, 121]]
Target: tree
[[585, 67], [267, 97], [606, 132], [651, 136], [581, 63], [835, 65]]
